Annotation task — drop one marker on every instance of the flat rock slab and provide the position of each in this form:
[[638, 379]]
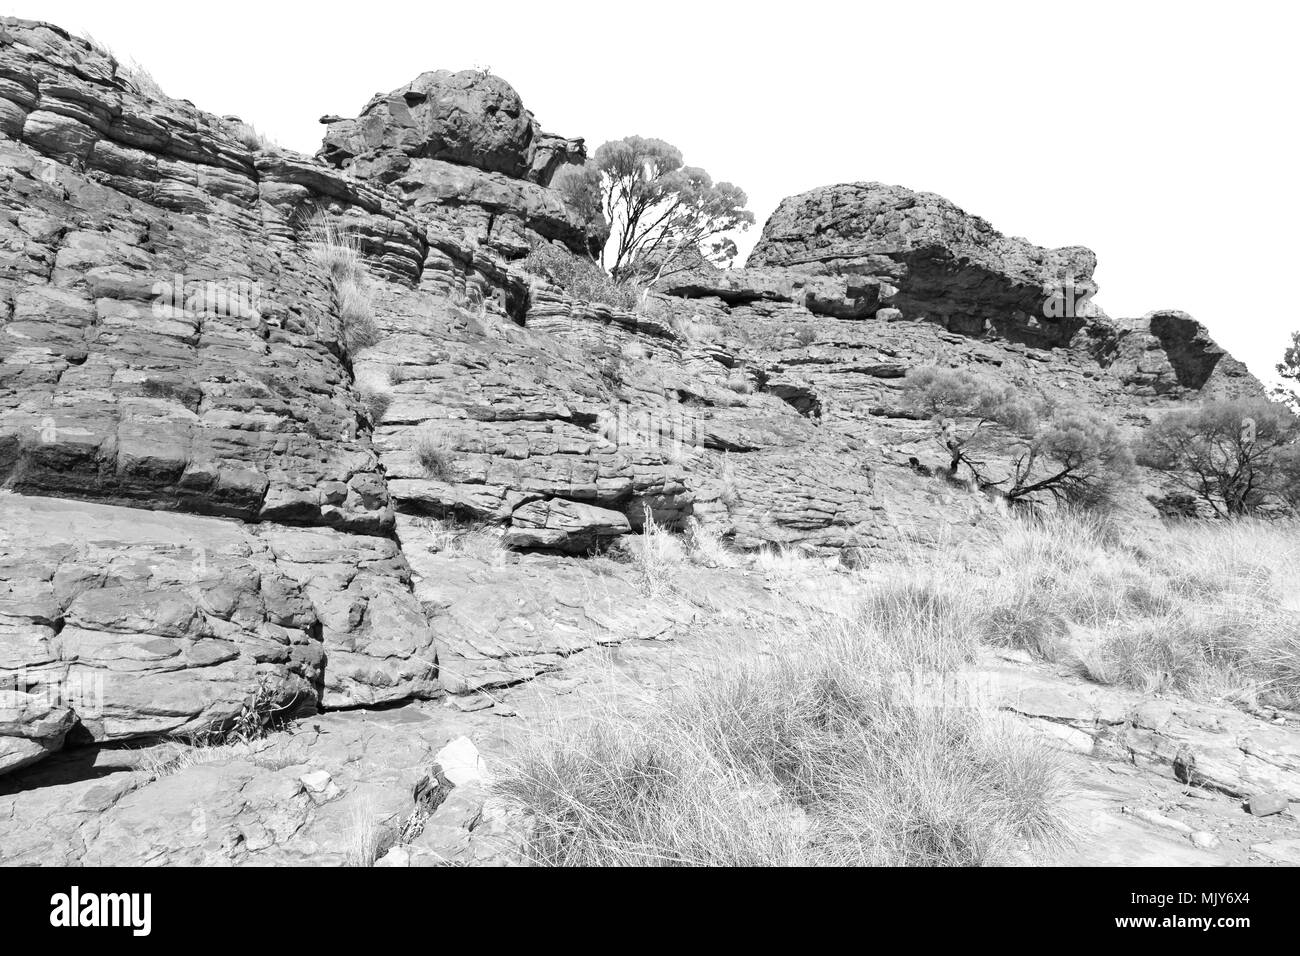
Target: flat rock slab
[[327, 791]]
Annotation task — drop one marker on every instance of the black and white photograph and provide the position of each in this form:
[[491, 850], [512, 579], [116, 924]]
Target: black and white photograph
[[592, 435]]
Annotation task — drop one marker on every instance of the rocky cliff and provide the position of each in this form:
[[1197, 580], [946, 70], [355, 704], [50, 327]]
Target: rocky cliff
[[203, 502]]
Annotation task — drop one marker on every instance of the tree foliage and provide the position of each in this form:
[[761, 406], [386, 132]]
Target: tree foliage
[[1236, 456], [1289, 367], [579, 187], [662, 213], [1066, 453]]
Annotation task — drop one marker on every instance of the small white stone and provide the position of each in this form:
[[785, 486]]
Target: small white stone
[[461, 763], [317, 781], [398, 857]]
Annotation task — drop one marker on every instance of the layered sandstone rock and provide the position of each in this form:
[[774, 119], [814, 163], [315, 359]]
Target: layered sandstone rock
[[144, 623], [169, 344]]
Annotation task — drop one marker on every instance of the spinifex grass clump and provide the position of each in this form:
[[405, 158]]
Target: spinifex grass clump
[[339, 253], [830, 751], [1205, 608]]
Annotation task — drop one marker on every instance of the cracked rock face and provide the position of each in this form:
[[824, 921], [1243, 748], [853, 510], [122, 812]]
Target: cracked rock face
[[147, 623]]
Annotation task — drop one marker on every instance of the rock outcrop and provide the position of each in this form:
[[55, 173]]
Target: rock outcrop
[[949, 266], [211, 507], [462, 148]]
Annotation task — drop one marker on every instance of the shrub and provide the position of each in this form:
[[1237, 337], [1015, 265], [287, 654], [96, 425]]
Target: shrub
[[580, 278], [1235, 456], [1071, 455], [1289, 367], [376, 403], [579, 187], [805, 336]]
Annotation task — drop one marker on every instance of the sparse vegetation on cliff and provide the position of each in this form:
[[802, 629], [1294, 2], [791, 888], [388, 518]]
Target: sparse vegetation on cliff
[[133, 72], [339, 253], [376, 403], [433, 454], [1069, 454], [580, 278], [250, 136]]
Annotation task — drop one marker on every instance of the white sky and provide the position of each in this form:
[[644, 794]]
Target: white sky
[[1162, 135]]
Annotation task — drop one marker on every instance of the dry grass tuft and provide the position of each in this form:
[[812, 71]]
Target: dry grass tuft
[[475, 539], [843, 741], [365, 836], [820, 754], [1209, 609], [261, 712], [249, 136], [433, 452], [694, 330], [377, 403], [135, 75], [142, 80], [787, 561], [339, 253], [659, 555], [705, 545], [739, 383]]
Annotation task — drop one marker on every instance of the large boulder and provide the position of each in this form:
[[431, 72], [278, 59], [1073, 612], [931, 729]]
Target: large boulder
[[471, 118], [949, 266], [463, 147]]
